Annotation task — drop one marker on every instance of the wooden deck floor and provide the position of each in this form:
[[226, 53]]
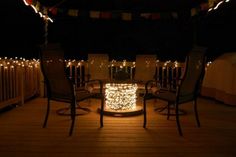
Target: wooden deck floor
[[21, 133]]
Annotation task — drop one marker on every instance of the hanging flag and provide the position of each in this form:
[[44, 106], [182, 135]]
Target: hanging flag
[[105, 15], [53, 11], [29, 2], [38, 5], [193, 11], [126, 16], [146, 15], [204, 6], [211, 3], [94, 14], [73, 12], [155, 16]]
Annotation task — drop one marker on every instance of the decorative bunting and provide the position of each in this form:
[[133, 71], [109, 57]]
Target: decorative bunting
[[94, 14], [126, 16], [146, 15], [117, 14], [193, 11], [29, 2], [155, 16], [105, 15], [73, 12]]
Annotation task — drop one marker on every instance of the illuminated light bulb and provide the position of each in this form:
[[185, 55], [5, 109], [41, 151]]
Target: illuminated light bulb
[[35, 10], [25, 2], [124, 62], [40, 14], [218, 4]]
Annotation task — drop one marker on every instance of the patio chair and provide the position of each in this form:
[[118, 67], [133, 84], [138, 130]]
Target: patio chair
[[145, 69], [187, 90], [61, 88], [97, 69]]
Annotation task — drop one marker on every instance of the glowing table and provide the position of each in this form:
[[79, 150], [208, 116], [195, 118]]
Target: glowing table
[[120, 99]]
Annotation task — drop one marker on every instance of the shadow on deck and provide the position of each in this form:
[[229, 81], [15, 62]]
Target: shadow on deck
[[22, 134]]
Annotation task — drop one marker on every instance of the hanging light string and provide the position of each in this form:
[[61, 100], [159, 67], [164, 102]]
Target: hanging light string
[[44, 16], [217, 5], [12, 63]]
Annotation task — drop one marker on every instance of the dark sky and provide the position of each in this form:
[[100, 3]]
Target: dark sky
[[22, 31]]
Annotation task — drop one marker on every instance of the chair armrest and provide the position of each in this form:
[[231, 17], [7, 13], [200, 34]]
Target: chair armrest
[[153, 85], [100, 82], [138, 81]]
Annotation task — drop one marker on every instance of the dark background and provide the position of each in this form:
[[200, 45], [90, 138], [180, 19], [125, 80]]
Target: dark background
[[22, 31]]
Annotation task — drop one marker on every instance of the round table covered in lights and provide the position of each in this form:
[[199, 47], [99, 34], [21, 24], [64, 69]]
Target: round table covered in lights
[[120, 99]]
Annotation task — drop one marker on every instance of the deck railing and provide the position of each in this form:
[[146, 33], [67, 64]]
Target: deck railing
[[166, 72], [21, 79]]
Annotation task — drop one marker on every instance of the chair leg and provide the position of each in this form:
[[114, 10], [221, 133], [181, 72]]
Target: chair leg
[[101, 112], [47, 114], [73, 114], [196, 112], [177, 119], [144, 113]]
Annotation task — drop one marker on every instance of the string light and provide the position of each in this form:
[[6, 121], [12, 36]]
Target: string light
[[45, 17], [217, 5], [22, 62], [120, 96]]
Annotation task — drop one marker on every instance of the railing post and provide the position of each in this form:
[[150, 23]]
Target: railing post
[[22, 85]]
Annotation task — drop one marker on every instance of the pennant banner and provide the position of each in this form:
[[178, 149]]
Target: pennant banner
[[127, 16], [73, 12], [94, 14], [105, 15]]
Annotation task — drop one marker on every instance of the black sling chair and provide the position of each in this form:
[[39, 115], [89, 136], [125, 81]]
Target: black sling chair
[[188, 87], [61, 88]]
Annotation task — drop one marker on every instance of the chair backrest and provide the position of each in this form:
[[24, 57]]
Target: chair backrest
[[145, 67], [193, 75], [98, 66], [59, 87]]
